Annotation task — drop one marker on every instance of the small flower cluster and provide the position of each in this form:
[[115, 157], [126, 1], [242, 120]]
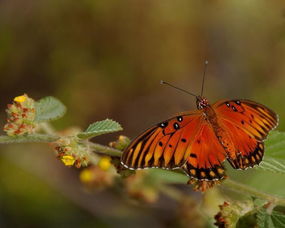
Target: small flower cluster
[[71, 152], [230, 213], [21, 116]]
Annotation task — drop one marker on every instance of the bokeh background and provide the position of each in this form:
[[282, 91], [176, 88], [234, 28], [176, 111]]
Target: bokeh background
[[106, 59]]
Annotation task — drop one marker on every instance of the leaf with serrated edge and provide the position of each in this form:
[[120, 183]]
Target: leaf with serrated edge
[[274, 158], [4, 139], [49, 108], [274, 220], [100, 128]]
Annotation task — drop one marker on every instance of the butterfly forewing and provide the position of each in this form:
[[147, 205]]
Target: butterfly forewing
[[255, 119], [164, 145], [245, 124]]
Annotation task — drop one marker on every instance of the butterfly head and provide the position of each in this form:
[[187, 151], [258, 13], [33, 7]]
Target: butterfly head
[[201, 102]]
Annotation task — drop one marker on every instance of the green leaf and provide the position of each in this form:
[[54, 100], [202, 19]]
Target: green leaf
[[100, 128], [275, 145], [274, 159], [274, 220], [248, 220], [268, 176], [49, 108], [5, 139]]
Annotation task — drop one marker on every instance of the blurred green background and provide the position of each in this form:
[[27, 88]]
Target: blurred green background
[[106, 59]]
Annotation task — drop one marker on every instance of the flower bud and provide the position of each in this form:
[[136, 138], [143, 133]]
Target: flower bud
[[121, 143], [105, 163], [95, 177]]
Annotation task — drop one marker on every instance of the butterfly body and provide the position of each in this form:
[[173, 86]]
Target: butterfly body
[[200, 141]]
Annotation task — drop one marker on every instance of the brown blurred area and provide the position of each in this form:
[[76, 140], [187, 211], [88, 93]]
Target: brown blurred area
[[106, 59]]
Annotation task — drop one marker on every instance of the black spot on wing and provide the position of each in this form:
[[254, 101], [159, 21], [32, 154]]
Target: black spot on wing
[[180, 118], [176, 126], [163, 124], [193, 155]]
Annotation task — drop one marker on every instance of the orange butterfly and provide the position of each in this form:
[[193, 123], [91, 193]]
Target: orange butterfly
[[200, 141]]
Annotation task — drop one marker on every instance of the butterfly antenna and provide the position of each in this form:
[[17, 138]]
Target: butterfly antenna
[[205, 68], [175, 87]]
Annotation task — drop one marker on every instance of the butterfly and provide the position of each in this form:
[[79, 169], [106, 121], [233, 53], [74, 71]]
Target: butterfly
[[199, 142]]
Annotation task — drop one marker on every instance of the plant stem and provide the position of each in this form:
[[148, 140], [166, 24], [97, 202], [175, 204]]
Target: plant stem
[[171, 192], [235, 186], [228, 183], [47, 128], [105, 149], [231, 184]]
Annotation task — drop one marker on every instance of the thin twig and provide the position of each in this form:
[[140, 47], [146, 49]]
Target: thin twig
[[238, 187], [230, 184], [47, 128], [105, 149]]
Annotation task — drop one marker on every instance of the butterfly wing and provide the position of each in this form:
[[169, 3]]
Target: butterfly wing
[[206, 155], [245, 124], [186, 141], [244, 150], [164, 145]]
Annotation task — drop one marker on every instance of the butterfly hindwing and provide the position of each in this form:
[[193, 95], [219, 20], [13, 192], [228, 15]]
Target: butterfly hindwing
[[206, 156], [164, 145], [244, 151]]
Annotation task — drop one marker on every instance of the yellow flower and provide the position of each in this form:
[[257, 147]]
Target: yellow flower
[[20, 99], [105, 163], [68, 160], [86, 175]]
